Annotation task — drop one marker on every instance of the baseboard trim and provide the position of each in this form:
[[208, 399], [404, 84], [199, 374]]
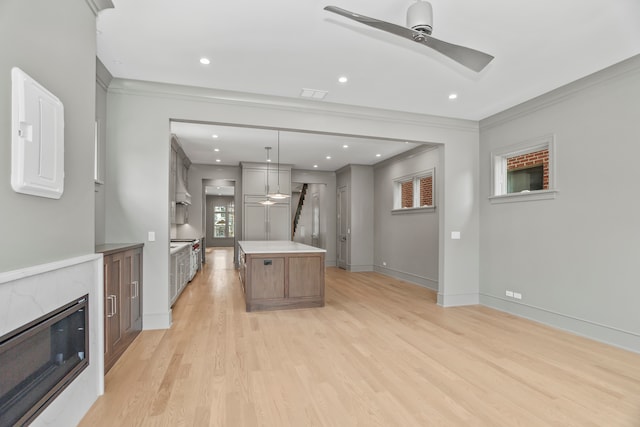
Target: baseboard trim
[[359, 268], [595, 331], [331, 263], [425, 282], [156, 321], [456, 300]]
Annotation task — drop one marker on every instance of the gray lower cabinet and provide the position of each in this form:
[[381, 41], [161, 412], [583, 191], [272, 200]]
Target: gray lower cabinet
[[122, 298], [179, 273]]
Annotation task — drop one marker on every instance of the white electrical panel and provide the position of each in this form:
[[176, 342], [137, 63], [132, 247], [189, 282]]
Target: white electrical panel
[[37, 138]]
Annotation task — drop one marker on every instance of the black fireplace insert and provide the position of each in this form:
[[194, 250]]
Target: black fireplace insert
[[39, 360]]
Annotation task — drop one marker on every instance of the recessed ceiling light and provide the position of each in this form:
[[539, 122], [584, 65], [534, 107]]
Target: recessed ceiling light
[[205, 61], [343, 79], [214, 136], [315, 166], [378, 155], [218, 160], [328, 157], [453, 96], [269, 160], [217, 188], [345, 146], [216, 150]]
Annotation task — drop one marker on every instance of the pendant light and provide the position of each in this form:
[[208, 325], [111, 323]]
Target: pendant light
[[268, 200], [278, 195]]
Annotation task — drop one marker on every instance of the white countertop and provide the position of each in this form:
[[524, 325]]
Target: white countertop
[[275, 246], [176, 247]]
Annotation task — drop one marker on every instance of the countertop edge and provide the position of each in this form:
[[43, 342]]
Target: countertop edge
[[111, 248], [257, 247]]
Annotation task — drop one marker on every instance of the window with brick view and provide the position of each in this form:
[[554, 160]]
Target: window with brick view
[[524, 171], [406, 190], [414, 191], [426, 191], [528, 172]]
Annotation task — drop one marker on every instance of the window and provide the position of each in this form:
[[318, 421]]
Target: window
[[223, 221], [414, 192], [524, 171]]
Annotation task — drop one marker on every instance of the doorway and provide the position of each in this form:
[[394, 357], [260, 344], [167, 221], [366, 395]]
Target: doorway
[[342, 226], [220, 216]]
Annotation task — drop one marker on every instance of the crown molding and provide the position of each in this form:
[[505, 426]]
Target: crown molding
[[103, 76], [98, 6], [199, 94], [620, 70]]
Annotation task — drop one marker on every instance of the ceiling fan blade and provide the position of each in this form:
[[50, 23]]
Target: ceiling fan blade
[[470, 58], [398, 30]]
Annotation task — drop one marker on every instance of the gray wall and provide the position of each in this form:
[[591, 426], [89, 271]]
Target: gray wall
[[325, 185], [361, 199], [408, 241], [574, 258], [53, 42], [103, 78]]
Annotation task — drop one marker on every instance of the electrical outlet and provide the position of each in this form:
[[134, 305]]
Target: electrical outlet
[[517, 295], [509, 294]]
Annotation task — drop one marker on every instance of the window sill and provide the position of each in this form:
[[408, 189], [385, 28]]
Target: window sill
[[413, 210], [524, 197]]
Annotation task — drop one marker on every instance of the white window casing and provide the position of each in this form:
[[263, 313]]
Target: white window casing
[[499, 171]]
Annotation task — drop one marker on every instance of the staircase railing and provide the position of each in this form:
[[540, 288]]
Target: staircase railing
[[296, 217]]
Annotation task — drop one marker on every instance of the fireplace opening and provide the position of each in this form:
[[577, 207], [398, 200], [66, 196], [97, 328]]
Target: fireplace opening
[[39, 360]]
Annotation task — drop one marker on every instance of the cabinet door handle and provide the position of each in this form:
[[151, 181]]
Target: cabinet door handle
[[115, 304], [134, 289], [112, 305]]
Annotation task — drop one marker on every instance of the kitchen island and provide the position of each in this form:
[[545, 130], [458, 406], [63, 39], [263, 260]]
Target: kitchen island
[[281, 274]]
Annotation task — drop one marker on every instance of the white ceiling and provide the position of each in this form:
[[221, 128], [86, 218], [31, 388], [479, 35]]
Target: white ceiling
[[300, 150], [280, 47]]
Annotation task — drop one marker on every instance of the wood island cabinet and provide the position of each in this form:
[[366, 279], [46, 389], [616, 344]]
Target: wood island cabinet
[[281, 274], [122, 298]]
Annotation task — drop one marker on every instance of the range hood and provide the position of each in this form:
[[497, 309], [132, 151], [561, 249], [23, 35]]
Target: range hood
[[183, 198], [182, 195]]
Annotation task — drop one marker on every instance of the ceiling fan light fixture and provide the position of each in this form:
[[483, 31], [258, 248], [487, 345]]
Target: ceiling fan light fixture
[[420, 17]]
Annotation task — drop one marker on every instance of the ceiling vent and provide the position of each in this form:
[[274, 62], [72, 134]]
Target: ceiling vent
[[313, 93]]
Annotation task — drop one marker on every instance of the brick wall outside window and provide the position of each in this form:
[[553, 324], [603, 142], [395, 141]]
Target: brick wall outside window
[[426, 191], [406, 198], [529, 160]]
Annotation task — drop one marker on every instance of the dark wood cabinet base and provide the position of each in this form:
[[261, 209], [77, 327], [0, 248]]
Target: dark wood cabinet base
[[278, 281]]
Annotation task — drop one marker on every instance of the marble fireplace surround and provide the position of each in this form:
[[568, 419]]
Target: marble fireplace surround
[[29, 293]]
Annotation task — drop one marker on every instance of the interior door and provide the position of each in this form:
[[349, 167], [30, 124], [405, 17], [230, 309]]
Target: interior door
[[343, 205], [315, 220]]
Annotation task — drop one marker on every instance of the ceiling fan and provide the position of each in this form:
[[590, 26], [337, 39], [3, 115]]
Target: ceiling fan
[[418, 29]]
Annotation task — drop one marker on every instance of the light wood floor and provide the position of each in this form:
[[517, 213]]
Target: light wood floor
[[381, 353]]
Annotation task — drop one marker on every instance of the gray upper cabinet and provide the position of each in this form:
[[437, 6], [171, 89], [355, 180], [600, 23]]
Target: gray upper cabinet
[[262, 222], [179, 184]]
